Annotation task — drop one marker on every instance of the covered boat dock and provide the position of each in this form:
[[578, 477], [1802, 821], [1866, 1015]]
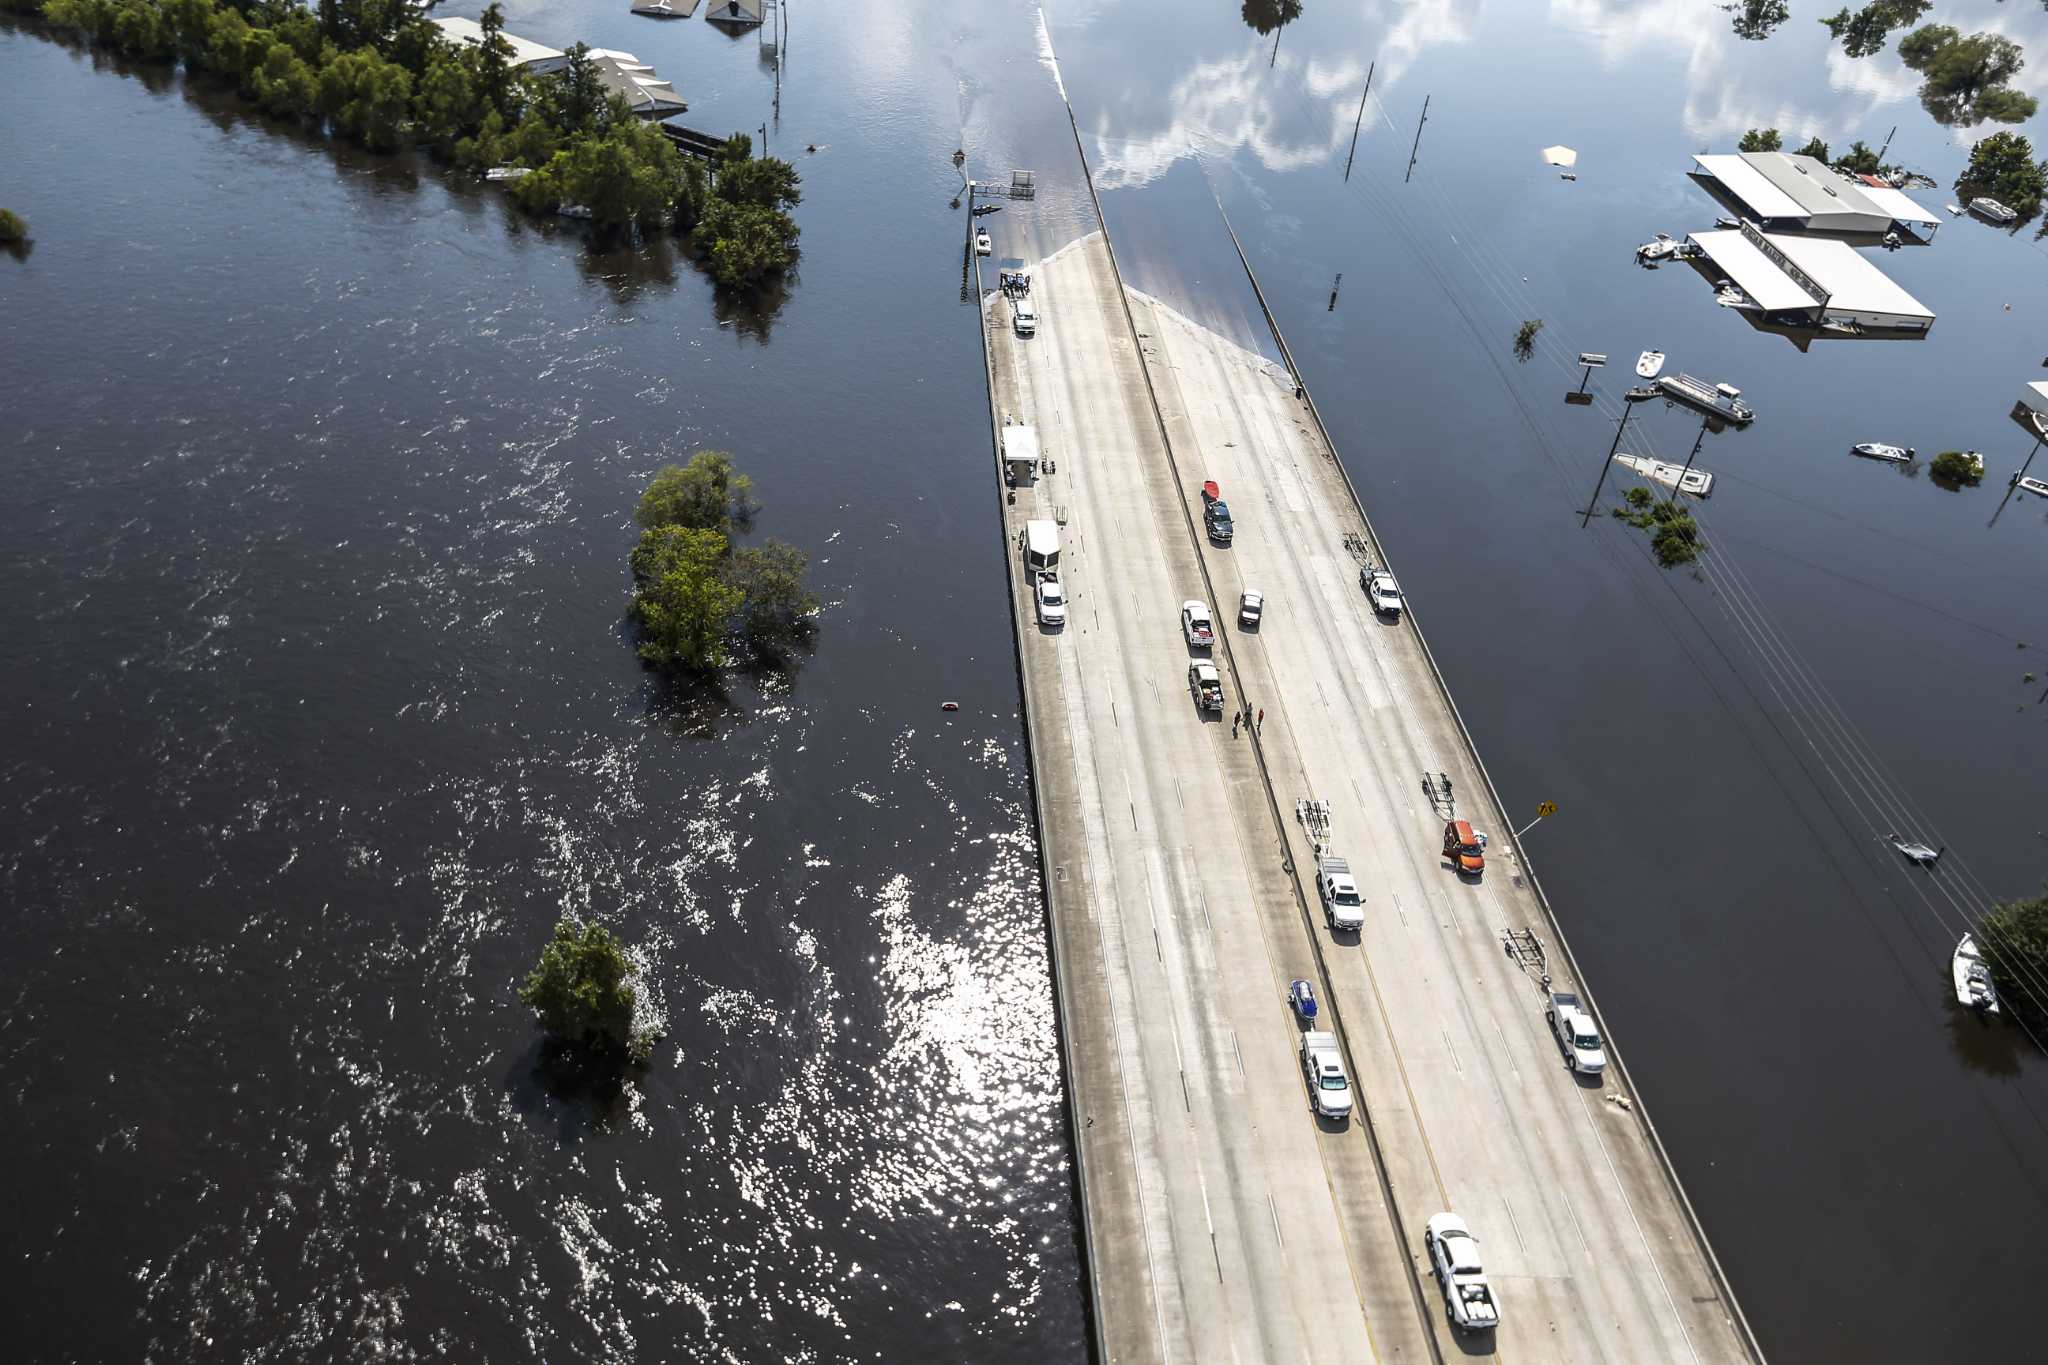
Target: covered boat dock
[[1812, 281], [1783, 192]]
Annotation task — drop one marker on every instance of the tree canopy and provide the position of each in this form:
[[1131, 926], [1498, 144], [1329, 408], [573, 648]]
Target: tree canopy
[[582, 988], [682, 603], [2014, 942], [697, 597], [1868, 29], [1760, 140], [707, 494], [1756, 20], [1814, 148], [1963, 80], [2003, 166]]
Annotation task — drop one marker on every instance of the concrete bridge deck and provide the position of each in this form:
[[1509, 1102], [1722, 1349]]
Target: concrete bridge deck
[[1224, 1220]]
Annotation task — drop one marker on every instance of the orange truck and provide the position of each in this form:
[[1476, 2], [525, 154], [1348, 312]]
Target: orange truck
[[1464, 848]]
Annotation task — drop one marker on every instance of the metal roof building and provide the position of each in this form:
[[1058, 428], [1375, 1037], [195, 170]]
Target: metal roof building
[[645, 93], [527, 55], [1813, 280], [736, 13], [1783, 191]]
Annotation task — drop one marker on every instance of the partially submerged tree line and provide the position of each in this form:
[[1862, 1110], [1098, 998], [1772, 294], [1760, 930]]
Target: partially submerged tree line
[[377, 73]]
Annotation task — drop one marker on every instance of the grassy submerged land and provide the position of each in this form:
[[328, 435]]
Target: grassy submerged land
[[378, 74]]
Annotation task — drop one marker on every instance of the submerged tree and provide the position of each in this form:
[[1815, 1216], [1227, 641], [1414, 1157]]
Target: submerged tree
[[1674, 538], [681, 600], [1525, 338], [12, 228], [707, 494], [1266, 15], [1963, 80], [2003, 166], [777, 612], [2014, 942], [1954, 468], [1867, 30], [1756, 20], [582, 989]]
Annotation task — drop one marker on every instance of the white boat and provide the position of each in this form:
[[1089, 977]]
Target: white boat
[[983, 243], [1973, 979], [1987, 207], [1728, 296], [574, 210], [1697, 482], [1722, 400], [1915, 852], [1877, 450], [1728, 224], [1648, 363], [1956, 209], [1657, 249], [2037, 487], [660, 9], [507, 172]]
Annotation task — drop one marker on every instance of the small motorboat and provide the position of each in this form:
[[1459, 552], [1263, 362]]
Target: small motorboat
[[1697, 482], [1878, 450], [1728, 224], [499, 173], [575, 211], [2024, 484], [1302, 996], [660, 9], [1984, 206], [1973, 979], [1648, 363], [1914, 852], [983, 243], [1657, 248]]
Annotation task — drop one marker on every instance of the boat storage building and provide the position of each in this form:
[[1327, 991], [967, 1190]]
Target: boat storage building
[[527, 55], [1812, 280], [1783, 192]]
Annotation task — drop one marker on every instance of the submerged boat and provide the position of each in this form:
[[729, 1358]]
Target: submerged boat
[[1956, 209], [1986, 207], [1697, 482], [1657, 248], [2037, 487], [1972, 977], [1722, 400], [1877, 450], [1648, 363], [1915, 852]]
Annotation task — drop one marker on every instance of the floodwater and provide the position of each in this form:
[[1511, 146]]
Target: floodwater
[[321, 709]]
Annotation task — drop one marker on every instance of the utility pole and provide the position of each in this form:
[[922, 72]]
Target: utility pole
[[1628, 406], [2012, 489], [1696, 443], [1418, 141], [1887, 144], [1360, 119], [764, 139]]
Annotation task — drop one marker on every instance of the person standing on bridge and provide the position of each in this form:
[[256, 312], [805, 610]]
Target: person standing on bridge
[[1260, 728], [1235, 717]]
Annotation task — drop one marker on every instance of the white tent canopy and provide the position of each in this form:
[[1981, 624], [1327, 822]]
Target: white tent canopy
[[1560, 156]]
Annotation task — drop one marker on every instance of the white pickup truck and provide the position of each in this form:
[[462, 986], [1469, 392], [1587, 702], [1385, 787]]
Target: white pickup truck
[[1576, 1033], [1342, 908], [1322, 1066], [1195, 623], [1454, 1255]]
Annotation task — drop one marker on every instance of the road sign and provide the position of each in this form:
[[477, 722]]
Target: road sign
[[1546, 810]]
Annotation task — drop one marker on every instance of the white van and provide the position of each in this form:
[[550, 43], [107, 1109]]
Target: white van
[[1023, 316], [1041, 547]]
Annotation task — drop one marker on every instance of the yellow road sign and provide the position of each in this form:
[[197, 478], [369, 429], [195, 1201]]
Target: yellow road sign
[[1546, 810]]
